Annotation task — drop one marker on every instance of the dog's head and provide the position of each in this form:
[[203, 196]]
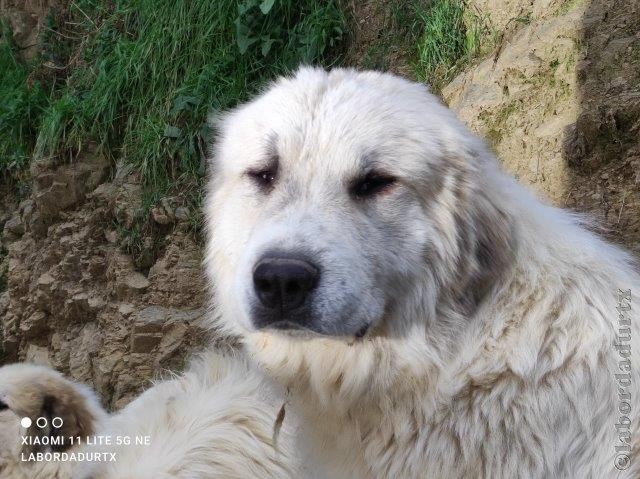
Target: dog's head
[[347, 203]]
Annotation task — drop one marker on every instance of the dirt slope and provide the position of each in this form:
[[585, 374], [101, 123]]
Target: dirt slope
[[559, 101], [76, 302]]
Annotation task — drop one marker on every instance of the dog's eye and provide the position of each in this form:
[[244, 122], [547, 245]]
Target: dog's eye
[[263, 178], [371, 184]]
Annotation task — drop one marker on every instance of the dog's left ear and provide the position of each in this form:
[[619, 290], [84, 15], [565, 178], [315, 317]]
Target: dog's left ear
[[488, 246], [494, 250]]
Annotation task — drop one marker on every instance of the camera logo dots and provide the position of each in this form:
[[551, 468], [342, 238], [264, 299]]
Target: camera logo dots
[[42, 422]]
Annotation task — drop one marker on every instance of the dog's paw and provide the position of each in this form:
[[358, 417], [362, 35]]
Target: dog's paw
[[55, 406]]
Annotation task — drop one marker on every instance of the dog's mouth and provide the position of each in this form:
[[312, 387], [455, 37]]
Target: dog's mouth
[[297, 330], [362, 331]]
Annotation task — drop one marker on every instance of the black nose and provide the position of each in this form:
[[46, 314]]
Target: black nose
[[284, 283]]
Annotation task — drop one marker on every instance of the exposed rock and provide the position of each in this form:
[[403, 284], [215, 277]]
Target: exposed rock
[[523, 96], [171, 341], [76, 301], [182, 213], [34, 325], [38, 355], [82, 350], [27, 19], [134, 282], [14, 228], [145, 343], [151, 319], [126, 309]]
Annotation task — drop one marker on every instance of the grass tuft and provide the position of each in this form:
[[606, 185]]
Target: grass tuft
[[149, 72], [450, 37], [21, 105]]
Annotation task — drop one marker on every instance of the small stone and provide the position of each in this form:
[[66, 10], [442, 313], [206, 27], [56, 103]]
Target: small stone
[[125, 309], [45, 281], [145, 343], [38, 355], [14, 226], [59, 196], [151, 319], [25, 206], [66, 229], [77, 308], [111, 236], [182, 213], [136, 281], [160, 216], [34, 325], [95, 303], [166, 205], [26, 209], [172, 340], [38, 225], [106, 192]]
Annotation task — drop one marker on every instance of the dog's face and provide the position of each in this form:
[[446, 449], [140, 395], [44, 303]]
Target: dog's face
[[326, 205]]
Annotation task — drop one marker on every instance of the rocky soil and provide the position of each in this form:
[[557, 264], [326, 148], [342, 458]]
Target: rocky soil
[[77, 302], [558, 99]]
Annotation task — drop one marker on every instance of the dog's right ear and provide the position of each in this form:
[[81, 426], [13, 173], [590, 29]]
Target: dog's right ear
[[56, 406]]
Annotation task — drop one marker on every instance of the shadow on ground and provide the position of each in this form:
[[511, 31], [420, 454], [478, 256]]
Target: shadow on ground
[[602, 149]]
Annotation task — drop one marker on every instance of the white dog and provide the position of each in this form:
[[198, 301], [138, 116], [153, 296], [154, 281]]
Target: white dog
[[421, 313]]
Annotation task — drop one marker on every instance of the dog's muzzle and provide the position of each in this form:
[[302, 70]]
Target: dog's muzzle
[[283, 285]]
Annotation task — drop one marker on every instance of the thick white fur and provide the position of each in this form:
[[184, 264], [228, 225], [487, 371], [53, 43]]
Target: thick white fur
[[492, 317], [520, 383], [218, 420]]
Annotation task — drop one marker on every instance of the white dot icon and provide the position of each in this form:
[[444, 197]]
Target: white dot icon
[[25, 422]]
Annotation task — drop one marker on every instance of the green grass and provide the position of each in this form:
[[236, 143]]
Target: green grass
[[138, 78], [431, 40], [150, 71], [395, 42], [450, 36], [21, 105]]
